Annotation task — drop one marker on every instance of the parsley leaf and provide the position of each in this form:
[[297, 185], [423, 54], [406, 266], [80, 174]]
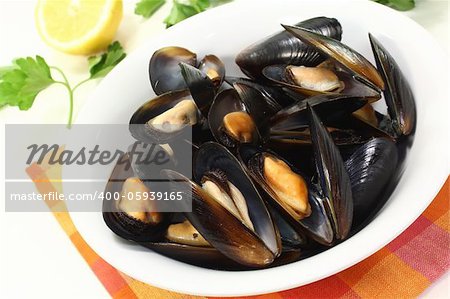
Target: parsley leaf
[[101, 65], [181, 12], [398, 4], [147, 8], [23, 81]]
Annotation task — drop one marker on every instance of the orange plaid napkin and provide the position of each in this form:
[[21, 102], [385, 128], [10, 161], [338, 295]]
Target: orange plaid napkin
[[402, 269]]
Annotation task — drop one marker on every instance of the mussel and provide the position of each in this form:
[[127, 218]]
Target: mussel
[[284, 48], [312, 81], [398, 94], [214, 68], [370, 168], [345, 56], [129, 216], [230, 120], [227, 209], [164, 71], [322, 211], [165, 117]]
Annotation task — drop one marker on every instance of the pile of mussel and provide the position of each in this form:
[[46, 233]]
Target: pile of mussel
[[287, 162]]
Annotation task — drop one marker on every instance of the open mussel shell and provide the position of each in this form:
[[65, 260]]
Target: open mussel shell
[[214, 68], [125, 224], [212, 157], [329, 107], [165, 130], [347, 84], [230, 121], [284, 48], [370, 168], [341, 53], [225, 232], [332, 177], [398, 94], [201, 87], [316, 225], [164, 71]]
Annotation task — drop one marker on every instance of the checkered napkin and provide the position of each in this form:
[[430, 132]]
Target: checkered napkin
[[402, 269]]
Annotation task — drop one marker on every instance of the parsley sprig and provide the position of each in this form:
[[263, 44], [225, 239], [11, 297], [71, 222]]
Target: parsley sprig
[[21, 82], [181, 9]]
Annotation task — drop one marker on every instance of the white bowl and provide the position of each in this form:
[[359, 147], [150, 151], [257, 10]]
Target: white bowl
[[226, 30]]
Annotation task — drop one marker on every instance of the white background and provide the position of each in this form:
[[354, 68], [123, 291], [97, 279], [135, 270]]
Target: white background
[[37, 258]]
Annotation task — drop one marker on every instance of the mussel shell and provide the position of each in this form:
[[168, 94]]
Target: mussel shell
[[164, 71], [139, 128], [352, 87], [222, 229], [329, 107], [201, 87], [227, 101], [317, 226], [370, 168], [212, 63], [341, 53], [212, 156], [120, 223], [333, 178], [398, 94], [284, 48]]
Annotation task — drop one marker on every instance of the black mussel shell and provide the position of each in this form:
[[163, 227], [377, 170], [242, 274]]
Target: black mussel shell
[[227, 101], [317, 226], [214, 68], [398, 94], [222, 229], [121, 223], [201, 87], [351, 86], [164, 71], [370, 168], [333, 178], [341, 53], [146, 133], [284, 48], [211, 157], [329, 107]]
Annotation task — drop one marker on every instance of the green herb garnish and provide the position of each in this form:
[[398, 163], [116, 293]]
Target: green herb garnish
[[147, 8], [101, 65], [398, 4], [181, 12], [181, 9], [21, 82]]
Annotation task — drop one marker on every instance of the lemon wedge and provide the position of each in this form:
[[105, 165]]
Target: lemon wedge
[[78, 26]]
